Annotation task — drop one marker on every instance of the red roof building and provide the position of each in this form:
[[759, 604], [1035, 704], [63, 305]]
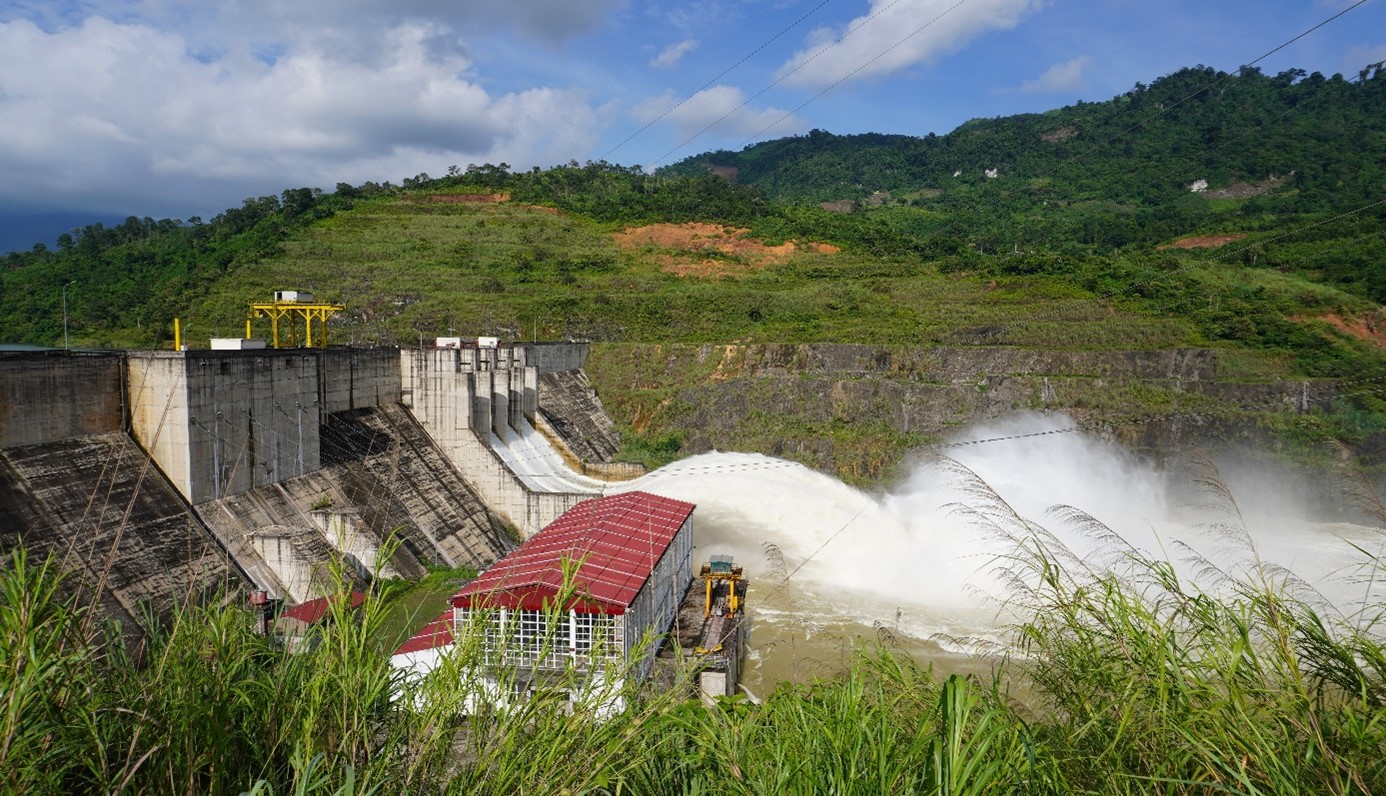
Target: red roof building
[[619, 563], [435, 634], [294, 625], [615, 542], [310, 612]]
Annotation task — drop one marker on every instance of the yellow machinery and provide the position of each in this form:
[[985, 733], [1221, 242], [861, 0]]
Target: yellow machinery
[[292, 305], [723, 583], [716, 572]]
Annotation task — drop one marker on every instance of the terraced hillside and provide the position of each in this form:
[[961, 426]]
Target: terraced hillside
[[687, 315]]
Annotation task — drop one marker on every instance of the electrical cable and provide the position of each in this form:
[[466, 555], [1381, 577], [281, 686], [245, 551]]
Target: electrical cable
[[713, 81], [803, 64]]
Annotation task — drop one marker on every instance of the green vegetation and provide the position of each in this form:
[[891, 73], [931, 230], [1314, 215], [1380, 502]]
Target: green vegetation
[[1131, 680], [128, 282], [410, 604], [1128, 680], [1070, 247], [1057, 252]]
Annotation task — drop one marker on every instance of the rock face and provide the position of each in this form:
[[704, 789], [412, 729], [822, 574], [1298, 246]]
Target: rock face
[[570, 406], [99, 506], [858, 410]]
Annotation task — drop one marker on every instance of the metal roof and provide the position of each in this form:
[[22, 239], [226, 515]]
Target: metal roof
[[617, 539], [312, 611], [437, 633]]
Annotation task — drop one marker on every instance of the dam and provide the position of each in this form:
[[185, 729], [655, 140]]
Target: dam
[[159, 476]]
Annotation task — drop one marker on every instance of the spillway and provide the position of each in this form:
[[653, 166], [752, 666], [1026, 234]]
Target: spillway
[[829, 563]]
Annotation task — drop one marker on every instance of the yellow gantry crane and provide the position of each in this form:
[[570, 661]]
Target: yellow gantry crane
[[292, 305], [723, 586], [720, 570]]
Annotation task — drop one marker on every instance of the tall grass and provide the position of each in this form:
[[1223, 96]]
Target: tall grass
[[1124, 677]]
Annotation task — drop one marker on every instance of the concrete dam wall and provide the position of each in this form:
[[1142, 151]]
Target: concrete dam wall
[[121, 530], [479, 405], [74, 486], [383, 483], [51, 396], [162, 473]]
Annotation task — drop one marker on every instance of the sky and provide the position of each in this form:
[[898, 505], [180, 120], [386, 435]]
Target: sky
[[176, 108]]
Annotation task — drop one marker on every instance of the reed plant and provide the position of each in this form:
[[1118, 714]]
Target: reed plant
[[1125, 676]]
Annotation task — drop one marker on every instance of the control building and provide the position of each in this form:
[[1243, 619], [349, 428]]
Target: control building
[[619, 565]]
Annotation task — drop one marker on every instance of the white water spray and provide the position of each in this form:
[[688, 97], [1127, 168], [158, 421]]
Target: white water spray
[[829, 559]]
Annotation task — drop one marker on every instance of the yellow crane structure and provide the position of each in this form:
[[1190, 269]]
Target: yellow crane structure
[[716, 572], [724, 589], [291, 305]]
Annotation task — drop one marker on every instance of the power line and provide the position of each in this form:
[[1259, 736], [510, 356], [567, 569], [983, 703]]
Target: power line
[[714, 80], [1224, 78], [991, 334], [803, 64]]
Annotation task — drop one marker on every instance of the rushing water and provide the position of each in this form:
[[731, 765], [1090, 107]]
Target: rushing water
[[830, 563]]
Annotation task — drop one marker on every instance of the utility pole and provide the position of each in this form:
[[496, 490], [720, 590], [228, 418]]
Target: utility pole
[[66, 347]]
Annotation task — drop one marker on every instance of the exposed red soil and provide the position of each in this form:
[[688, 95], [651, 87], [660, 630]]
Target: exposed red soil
[[1202, 242], [468, 198], [686, 242], [1370, 328], [728, 173]]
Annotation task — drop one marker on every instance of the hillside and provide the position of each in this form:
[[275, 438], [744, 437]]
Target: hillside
[[1324, 135], [1088, 239], [1271, 153]]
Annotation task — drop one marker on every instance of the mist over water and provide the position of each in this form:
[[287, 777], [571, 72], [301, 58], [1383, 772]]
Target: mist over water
[[829, 562]]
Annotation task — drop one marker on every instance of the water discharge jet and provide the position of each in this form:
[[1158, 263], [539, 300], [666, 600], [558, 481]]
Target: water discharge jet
[[829, 562]]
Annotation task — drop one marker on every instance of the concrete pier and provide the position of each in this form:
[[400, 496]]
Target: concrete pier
[[473, 402]]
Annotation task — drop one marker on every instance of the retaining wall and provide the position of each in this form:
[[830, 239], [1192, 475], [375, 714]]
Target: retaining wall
[[555, 357]]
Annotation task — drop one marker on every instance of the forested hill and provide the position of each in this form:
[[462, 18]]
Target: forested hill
[[1088, 236], [1320, 140]]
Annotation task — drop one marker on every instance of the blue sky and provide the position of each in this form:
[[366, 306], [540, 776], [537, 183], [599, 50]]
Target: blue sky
[[174, 108]]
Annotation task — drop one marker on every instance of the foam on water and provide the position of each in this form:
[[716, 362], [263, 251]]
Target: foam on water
[[823, 554]]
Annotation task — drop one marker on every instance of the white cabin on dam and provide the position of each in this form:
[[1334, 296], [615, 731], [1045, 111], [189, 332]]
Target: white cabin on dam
[[579, 607]]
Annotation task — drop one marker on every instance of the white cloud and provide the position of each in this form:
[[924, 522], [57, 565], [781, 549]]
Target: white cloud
[[698, 16], [554, 20], [121, 116], [1358, 57], [1067, 76], [896, 34], [718, 111], [671, 55]]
